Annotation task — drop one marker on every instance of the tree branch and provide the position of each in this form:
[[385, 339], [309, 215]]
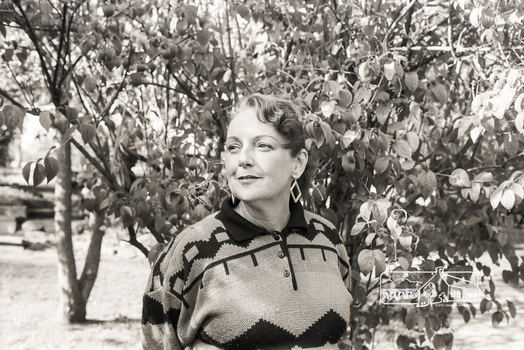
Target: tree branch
[[35, 41], [396, 21], [60, 45]]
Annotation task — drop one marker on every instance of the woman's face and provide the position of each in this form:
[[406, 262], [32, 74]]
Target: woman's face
[[258, 167]]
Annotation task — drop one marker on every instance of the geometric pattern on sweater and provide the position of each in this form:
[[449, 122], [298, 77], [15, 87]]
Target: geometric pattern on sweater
[[237, 286]]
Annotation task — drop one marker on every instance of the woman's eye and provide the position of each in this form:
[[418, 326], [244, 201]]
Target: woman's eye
[[264, 146], [232, 147]]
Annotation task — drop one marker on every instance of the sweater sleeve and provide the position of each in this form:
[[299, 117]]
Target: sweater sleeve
[[161, 303]]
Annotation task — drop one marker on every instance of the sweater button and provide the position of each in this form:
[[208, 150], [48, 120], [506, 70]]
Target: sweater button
[[287, 273], [281, 255]]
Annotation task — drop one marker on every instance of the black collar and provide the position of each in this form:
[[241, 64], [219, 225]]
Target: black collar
[[241, 229]]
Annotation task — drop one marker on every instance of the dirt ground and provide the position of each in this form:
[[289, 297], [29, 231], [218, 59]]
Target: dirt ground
[[29, 298]]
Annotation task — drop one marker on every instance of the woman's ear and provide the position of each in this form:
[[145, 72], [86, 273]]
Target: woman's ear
[[300, 163]]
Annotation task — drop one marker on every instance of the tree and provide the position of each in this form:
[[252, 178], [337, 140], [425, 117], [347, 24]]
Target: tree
[[414, 116]]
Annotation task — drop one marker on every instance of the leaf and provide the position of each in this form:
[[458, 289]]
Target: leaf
[[405, 241], [408, 164], [402, 148], [366, 261], [71, 114], [45, 120], [51, 168], [364, 71], [519, 105], [496, 318], [357, 228], [404, 263], [88, 132], [14, 117], [517, 190], [507, 199], [353, 114], [379, 261], [394, 228], [495, 197], [459, 178], [483, 177], [519, 122], [474, 16], [512, 309], [344, 98], [348, 161], [365, 210], [327, 108], [331, 88], [466, 315], [413, 140], [390, 70], [485, 305], [382, 112], [428, 182], [3, 30], [443, 341], [310, 98], [127, 215], [369, 238], [381, 164], [26, 171], [441, 93], [411, 79], [38, 174], [181, 25], [90, 83]]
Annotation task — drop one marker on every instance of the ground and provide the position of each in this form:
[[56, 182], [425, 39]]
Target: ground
[[29, 298]]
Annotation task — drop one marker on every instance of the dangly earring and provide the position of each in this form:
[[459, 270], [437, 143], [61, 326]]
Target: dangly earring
[[234, 199], [296, 193]]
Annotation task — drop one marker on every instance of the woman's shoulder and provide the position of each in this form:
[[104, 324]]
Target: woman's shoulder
[[199, 231], [315, 219]]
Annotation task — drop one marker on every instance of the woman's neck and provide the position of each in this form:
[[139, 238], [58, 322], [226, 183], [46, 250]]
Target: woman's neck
[[273, 217]]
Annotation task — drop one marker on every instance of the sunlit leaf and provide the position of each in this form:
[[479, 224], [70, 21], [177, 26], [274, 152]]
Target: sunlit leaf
[[459, 178], [402, 148], [390, 70], [357, 228], [507, 199]]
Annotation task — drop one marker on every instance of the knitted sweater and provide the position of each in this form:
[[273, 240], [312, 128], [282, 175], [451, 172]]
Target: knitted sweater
[[227, 282]]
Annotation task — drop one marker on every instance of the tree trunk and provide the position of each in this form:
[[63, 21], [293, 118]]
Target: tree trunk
[[72, 304], [90, 271]]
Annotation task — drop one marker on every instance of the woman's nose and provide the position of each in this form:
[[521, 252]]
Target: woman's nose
[[245, 158]]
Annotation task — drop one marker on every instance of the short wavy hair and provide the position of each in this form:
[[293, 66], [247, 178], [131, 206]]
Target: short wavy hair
[[286, 117]]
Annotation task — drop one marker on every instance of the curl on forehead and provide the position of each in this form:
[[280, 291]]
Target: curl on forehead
[[282, 114]]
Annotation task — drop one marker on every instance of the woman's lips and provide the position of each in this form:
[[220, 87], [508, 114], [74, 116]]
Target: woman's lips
[[247, 178]]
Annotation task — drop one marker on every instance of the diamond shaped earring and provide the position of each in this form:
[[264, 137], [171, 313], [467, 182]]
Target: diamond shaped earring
[[296, 193]]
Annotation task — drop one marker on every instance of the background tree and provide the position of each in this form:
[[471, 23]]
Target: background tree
[[414, 116]]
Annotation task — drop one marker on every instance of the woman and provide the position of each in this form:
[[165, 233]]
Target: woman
[[262, 273]]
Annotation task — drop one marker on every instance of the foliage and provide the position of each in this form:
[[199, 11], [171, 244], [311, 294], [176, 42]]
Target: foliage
[[414, 116]]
